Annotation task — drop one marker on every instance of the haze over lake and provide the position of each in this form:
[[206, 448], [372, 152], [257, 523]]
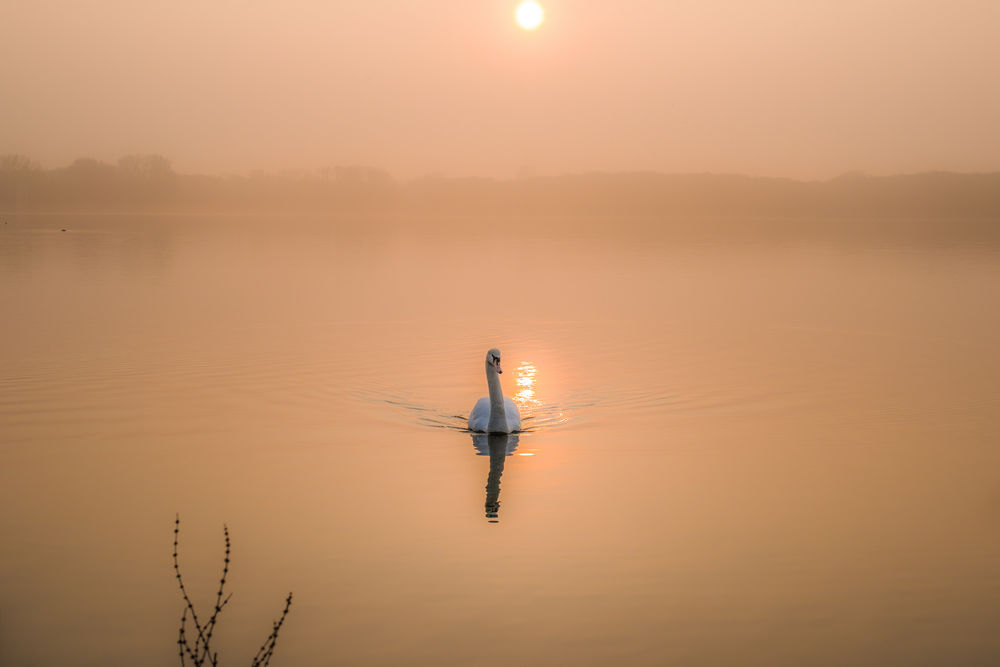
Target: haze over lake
[[739, 262]]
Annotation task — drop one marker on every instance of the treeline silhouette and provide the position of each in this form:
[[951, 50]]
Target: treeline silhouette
[[149, 183]]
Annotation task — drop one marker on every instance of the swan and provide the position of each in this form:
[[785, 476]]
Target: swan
[[494, 413]]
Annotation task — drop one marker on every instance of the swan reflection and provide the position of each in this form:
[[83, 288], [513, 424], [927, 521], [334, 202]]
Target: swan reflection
[[498, 446]]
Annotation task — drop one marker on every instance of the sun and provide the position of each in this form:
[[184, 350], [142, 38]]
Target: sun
[[530, 15]]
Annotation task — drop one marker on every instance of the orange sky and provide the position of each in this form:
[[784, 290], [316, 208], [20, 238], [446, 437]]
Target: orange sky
[[773, 87]]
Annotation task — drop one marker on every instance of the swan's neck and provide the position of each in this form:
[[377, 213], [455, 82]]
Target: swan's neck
[[498, 415]]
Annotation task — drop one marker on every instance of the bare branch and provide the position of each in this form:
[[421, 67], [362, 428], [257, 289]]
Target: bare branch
[[202, 651]]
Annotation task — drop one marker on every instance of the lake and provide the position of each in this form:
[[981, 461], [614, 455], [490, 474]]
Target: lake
[[741, 448]]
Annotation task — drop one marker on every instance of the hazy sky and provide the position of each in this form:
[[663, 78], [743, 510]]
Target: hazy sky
[[803, 88]]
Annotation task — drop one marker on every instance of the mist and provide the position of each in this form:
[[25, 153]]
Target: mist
[[765, 88], [260, 262]]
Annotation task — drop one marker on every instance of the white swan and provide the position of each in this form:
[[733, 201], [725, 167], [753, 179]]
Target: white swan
[[494, 413]]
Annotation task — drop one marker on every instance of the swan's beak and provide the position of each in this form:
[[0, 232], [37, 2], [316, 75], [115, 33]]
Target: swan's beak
[[499, 370]]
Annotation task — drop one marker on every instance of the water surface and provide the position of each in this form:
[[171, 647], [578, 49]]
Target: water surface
[[738, 452]]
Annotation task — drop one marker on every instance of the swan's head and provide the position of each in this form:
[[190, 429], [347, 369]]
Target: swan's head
[[493, 359]]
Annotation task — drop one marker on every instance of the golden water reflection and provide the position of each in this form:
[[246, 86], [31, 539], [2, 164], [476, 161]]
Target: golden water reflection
[[526, 377]]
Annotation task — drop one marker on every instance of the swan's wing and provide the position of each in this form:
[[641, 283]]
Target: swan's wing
[[513, 414], [479, 418]]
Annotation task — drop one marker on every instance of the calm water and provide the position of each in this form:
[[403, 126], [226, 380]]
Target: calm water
[[775, 453]]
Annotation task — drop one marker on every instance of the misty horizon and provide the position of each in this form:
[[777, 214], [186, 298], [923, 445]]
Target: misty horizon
[[150, 183], [329, 169]]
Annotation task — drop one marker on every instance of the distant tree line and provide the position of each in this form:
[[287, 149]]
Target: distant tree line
[[149, 183]]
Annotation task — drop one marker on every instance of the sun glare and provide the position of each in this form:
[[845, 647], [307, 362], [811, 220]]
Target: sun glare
[[530, 15], [524, 377]]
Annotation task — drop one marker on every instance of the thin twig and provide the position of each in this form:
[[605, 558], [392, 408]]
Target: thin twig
[[263, 657], [181, 641], [219, 602], [185, 646], [180, 583]]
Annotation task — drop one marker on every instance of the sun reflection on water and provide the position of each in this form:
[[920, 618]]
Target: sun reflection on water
[[525, 377]]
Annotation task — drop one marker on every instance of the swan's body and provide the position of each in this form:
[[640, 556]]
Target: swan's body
[[494, 413], [479, 418]]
